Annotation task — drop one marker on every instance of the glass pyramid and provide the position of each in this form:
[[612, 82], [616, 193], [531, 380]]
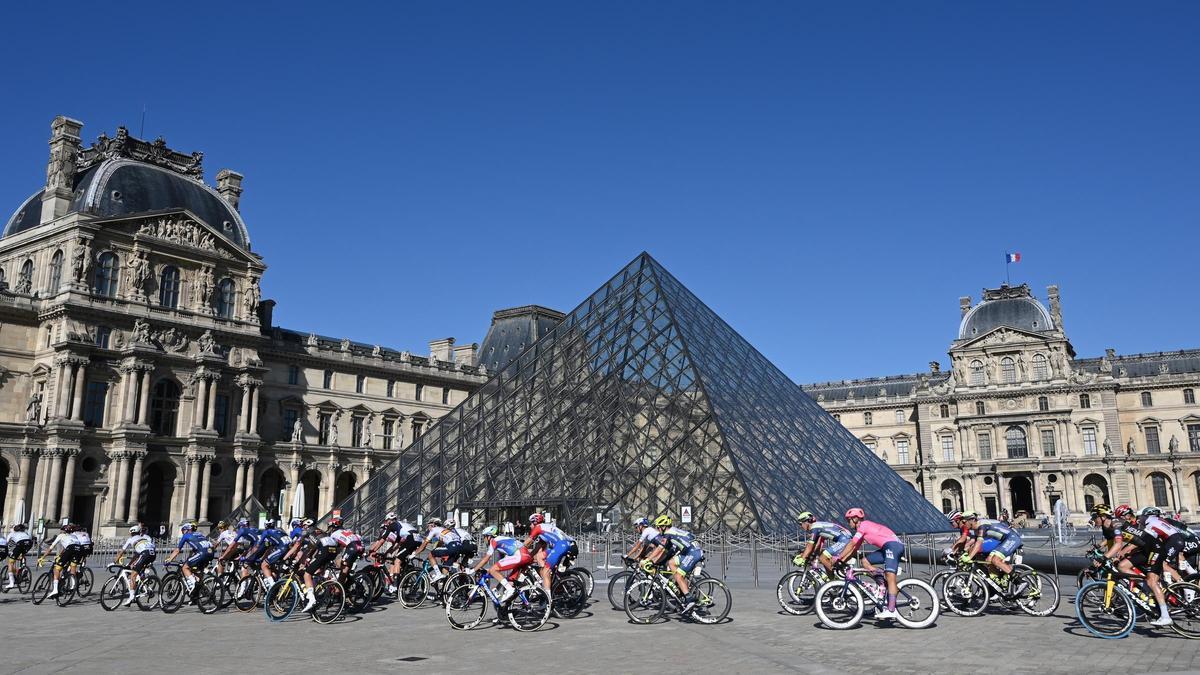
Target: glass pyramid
[[641, 401]]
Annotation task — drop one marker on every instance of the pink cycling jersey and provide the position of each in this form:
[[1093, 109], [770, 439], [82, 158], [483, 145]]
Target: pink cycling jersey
[[874, 534]]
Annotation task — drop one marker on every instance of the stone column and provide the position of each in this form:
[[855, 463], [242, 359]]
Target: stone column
[[239, 482], [61, 394], [189, 508], [80, 382], [54, 487], [254, 409], [205, 481], [68, 489], [293, 481], [144, 403], [1179, 506], [1133, 488], [135, 487], [210, 420], [27, 456], [198, 404], [244, 418], [121, 513]]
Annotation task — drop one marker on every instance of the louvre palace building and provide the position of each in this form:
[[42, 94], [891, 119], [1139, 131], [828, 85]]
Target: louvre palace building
[[1020, 421]]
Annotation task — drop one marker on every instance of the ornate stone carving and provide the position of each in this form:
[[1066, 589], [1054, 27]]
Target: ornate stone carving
[[157, 153], [183, 231], [311, 340], [33, 409], [205, 287], [345, 345], [139, 274], [252, 299], [141, 333], [172, 340], [298, 431], [81, 261], [207, 343]]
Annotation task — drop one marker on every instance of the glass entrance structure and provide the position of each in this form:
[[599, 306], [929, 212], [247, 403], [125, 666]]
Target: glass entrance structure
[[641, 401]]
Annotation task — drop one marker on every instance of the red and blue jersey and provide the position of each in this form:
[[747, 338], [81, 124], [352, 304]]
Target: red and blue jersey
[[549, 534], [505, 545]]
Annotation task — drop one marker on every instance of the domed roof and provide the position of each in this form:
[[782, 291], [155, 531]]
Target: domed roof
[[1014, 307]]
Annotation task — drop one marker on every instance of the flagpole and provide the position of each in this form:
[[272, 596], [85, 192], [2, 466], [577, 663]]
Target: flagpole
[[1007, 263]]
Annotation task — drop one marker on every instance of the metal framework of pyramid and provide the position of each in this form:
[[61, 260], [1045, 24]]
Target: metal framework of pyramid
[[641, 401]]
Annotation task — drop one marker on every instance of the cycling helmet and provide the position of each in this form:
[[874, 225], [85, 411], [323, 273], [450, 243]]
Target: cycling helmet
[[806, 517], [537, 519], [242, 522], [296, 522], [222, 525], [269, 523], [19, 527], [855, 513], [434, 521], [1101, 510], [134, 529], [489, 531], [642, 522], [308, 522], [663, 521], [187, 527], [335, 521], [1122, 511], [1151, 511], [452, 523], [955, 516], [969, 515], [391, 515]]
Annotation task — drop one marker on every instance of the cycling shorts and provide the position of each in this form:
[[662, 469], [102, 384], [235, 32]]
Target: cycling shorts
[[1172, 547], [469, 550], [18, 550], [4, 552], [521, 558], [835, 548], [1147, 561], [556, 552], [1007, 547], [688, 559], [988, 546], [142, 560], [451, 549], [69, 555], [888, 555], [199, 559], [404, 547], [274, 556], [320, 559], [352, 553]]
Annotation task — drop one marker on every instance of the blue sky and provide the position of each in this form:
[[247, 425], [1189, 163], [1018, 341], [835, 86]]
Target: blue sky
[[830, 179]]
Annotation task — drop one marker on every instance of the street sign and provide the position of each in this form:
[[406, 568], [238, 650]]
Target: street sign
[[599, 517], [685, 514]]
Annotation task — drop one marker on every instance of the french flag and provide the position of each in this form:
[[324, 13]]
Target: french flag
[[1012, 257]]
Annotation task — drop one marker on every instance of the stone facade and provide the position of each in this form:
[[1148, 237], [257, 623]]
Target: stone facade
[[140, 374], [1019, 422]]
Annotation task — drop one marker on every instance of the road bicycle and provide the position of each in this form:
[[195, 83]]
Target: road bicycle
[[528, 610], [569, 593], [70, 582], [619, 582], [417, 586], [968, 591], [174, 591], [649, 597], [23, 578], [797, 590], [841, 603], [287, 592], [1109, 608], [115, 591]]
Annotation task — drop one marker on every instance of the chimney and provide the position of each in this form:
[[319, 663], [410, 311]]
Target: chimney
[[266, 314], [441, 349], [964, 305], [1055, 306], [60, 171], [229, 186], [467, 355]]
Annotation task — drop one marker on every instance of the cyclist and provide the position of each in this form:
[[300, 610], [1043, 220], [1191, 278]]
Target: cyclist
[[84, 541], [313, 551], [142, 547], [829, 538], [397, 540], [296, 529], [68, 552], [268, 550], [224, 537], [549, 545], [1007, 542], [1171, 537], [469, 548], [442, 542], [646, 534], [680, 551], [514, 557], [1110, 528], [888, 553], [19, 543], [348, 542], [244, 539], [1142, 549], [201, 553]]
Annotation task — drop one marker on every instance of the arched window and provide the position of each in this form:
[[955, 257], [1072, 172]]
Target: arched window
[[168, 287], [1147, 400], [1008, 370], [977, 373], [866, 416], [25, 282], [1161, 488], [56, 264], [225, 298], [1040, 369], [1043, 403], [1085, 401], [104, 281], [980, 408], [1014, 440], [164, 408], [944, 409], [899, 416]]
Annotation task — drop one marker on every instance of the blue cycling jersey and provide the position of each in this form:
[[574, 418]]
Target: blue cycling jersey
[[271, 537], [993, 529], [296, 532], [506, 545], [247, 535], [195, 541]]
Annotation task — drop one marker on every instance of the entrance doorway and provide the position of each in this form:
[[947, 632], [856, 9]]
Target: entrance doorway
[[83, 511], [989, 505], [1020, 490], [154, 508], [270, 484]]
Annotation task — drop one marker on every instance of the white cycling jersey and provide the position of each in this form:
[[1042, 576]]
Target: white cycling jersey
[[227, 537], [82, 538], [648, 535], [345, 537], [15, 538], [1160, 528], [463, 534], [139, 543]]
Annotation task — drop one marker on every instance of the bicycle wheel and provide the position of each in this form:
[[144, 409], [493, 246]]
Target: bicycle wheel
[[584, 575], [645, 601], [529, 610], [24, 579], [1112, 619], [206, 596], [227, 586], [917, 604], [331, 601], [84, 580], [358, 593], [113, 592], [41, 589], [281, 600], [569, 597], [148, 593], [414, 589], [713, 601], [617, 585], [67, 586], [466, 605], [247, 593], [796, 592], [966, 594], [172, 592], [1183, 602], [938, 581], [1036, 594], [839, 604]]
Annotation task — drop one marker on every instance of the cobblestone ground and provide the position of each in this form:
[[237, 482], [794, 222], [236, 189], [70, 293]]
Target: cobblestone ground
[[758, 638]]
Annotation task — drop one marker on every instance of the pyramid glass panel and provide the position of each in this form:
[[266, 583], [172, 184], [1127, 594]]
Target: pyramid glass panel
[[641, 401]]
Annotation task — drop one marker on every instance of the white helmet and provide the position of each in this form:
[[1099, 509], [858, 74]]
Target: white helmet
[[135, 529]]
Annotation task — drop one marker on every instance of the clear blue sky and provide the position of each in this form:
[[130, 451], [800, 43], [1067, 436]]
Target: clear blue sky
[[829, 179]]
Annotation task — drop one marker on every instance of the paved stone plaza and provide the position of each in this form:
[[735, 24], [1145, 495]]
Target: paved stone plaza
[[82, 638]]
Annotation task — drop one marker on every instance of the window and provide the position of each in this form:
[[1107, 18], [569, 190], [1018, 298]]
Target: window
[[356, 432], [1008, 370], [104, 279], [977, 376], [984, 440], [445, 396], [93, 407], [290, 415], [1043, 403], [2, 281], [1040, 369], [293, 374], [1089, 440], [420, 392], [324, 423], [1048, 447], [56, 264], [1189, 396], [1014, 441], [1162, 495], [947, 448], [389, 428], [328, 381], [870, 445], [360, 384], [902, 450], [980, 408], [944, 410], [1193, 432], [1147, 400], [867, 418], [168, 287], [164, 407], [1085, 401], [103, 335], [225, 298], [391, 388], [417, 428], [25, 282], [899, 417], [221, 415], [1152, 445]]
